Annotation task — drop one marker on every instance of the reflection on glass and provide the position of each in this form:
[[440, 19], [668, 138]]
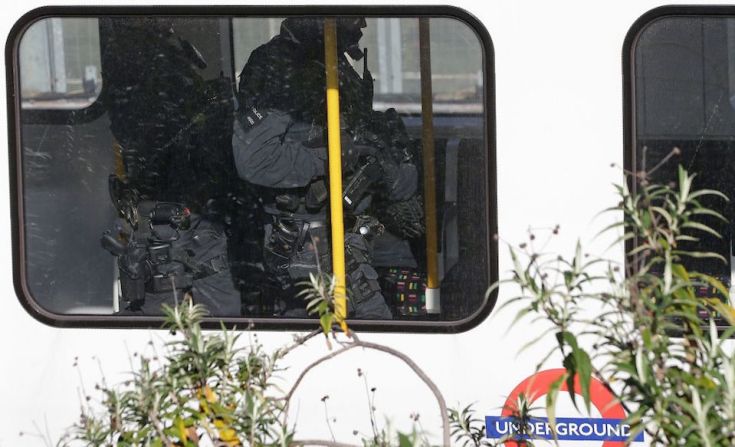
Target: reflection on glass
[[393, 53], [60, 64], [207, 174]]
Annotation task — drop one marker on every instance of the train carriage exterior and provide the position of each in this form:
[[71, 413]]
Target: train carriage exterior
[[538, 108]]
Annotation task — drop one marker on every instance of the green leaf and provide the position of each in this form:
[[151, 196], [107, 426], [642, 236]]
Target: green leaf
[[551, 397], [714, 282], [727, 311], [564, 338], [708, 212], [680, 272], [571, 368], [645, 219], [535, 340], [578, 256], [684, 237], [663, 213], [667, 274], [577, 363], [699, 255], [707, 192], [584, 372], [639, 249], [641, 366], [516, 263], [701, 227], [404, 440], [623, 238], [685, 183], [647, 340], [326, 323]]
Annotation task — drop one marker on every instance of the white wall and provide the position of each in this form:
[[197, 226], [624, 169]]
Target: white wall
[[559, 127]]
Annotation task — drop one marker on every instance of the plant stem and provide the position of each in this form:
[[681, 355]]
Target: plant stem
[[378, 347], [319, 442]]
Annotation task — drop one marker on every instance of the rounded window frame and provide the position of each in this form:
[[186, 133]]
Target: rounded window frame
[[96, 110]]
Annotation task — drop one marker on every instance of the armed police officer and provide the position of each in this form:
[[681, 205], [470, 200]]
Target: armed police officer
[[279, 144], [174, 173]]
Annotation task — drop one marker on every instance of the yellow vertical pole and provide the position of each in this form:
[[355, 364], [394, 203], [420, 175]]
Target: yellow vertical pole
[[120, 174], [119, 163], [433, 298], [335, 167]]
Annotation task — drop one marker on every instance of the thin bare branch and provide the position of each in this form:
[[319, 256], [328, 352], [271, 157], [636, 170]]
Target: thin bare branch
[[319, 442], [311, 366], [299, 341], [398, 354], [158, 427]]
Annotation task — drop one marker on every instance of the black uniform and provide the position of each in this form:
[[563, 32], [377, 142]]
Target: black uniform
[[279, 146], [175, 173]]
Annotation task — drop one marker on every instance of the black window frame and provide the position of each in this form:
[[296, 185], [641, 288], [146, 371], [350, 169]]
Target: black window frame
[[630, 153], [95, 110], [628, 59]]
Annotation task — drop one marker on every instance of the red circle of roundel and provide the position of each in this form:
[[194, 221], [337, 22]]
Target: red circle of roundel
[[537, 385]]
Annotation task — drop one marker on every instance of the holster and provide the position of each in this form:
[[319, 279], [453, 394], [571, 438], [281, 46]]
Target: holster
[[159, 254]]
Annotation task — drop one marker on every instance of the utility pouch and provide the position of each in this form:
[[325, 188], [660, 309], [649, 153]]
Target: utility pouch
[[316, 196], [133, 271], [170, 277]]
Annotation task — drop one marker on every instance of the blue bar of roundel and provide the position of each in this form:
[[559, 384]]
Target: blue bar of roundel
[[568, 429]]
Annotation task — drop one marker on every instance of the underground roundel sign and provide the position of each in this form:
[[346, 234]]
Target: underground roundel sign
[[608, 428]]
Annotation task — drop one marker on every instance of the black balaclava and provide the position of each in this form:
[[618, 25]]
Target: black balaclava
[[309, 32]]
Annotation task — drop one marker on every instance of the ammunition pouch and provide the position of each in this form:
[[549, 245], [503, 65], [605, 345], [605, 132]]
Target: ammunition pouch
[[294, 248], [133, 272], [316, 196], [366, 175], [363, 279]]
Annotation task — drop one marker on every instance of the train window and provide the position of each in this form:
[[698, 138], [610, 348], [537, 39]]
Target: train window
[[680, 63], [208, 175], [60, 66]]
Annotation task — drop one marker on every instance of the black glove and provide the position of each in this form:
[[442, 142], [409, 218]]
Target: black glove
[[404, 218], [351, 151], [401, 180]]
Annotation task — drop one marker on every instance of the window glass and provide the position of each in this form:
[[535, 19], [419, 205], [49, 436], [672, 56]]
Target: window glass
[[207, 175], [393, 53], [683, 96], [60, 64]]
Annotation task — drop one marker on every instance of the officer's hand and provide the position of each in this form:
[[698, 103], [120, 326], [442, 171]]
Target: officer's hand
[[352, 152], [401, 180], [405, 218]]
